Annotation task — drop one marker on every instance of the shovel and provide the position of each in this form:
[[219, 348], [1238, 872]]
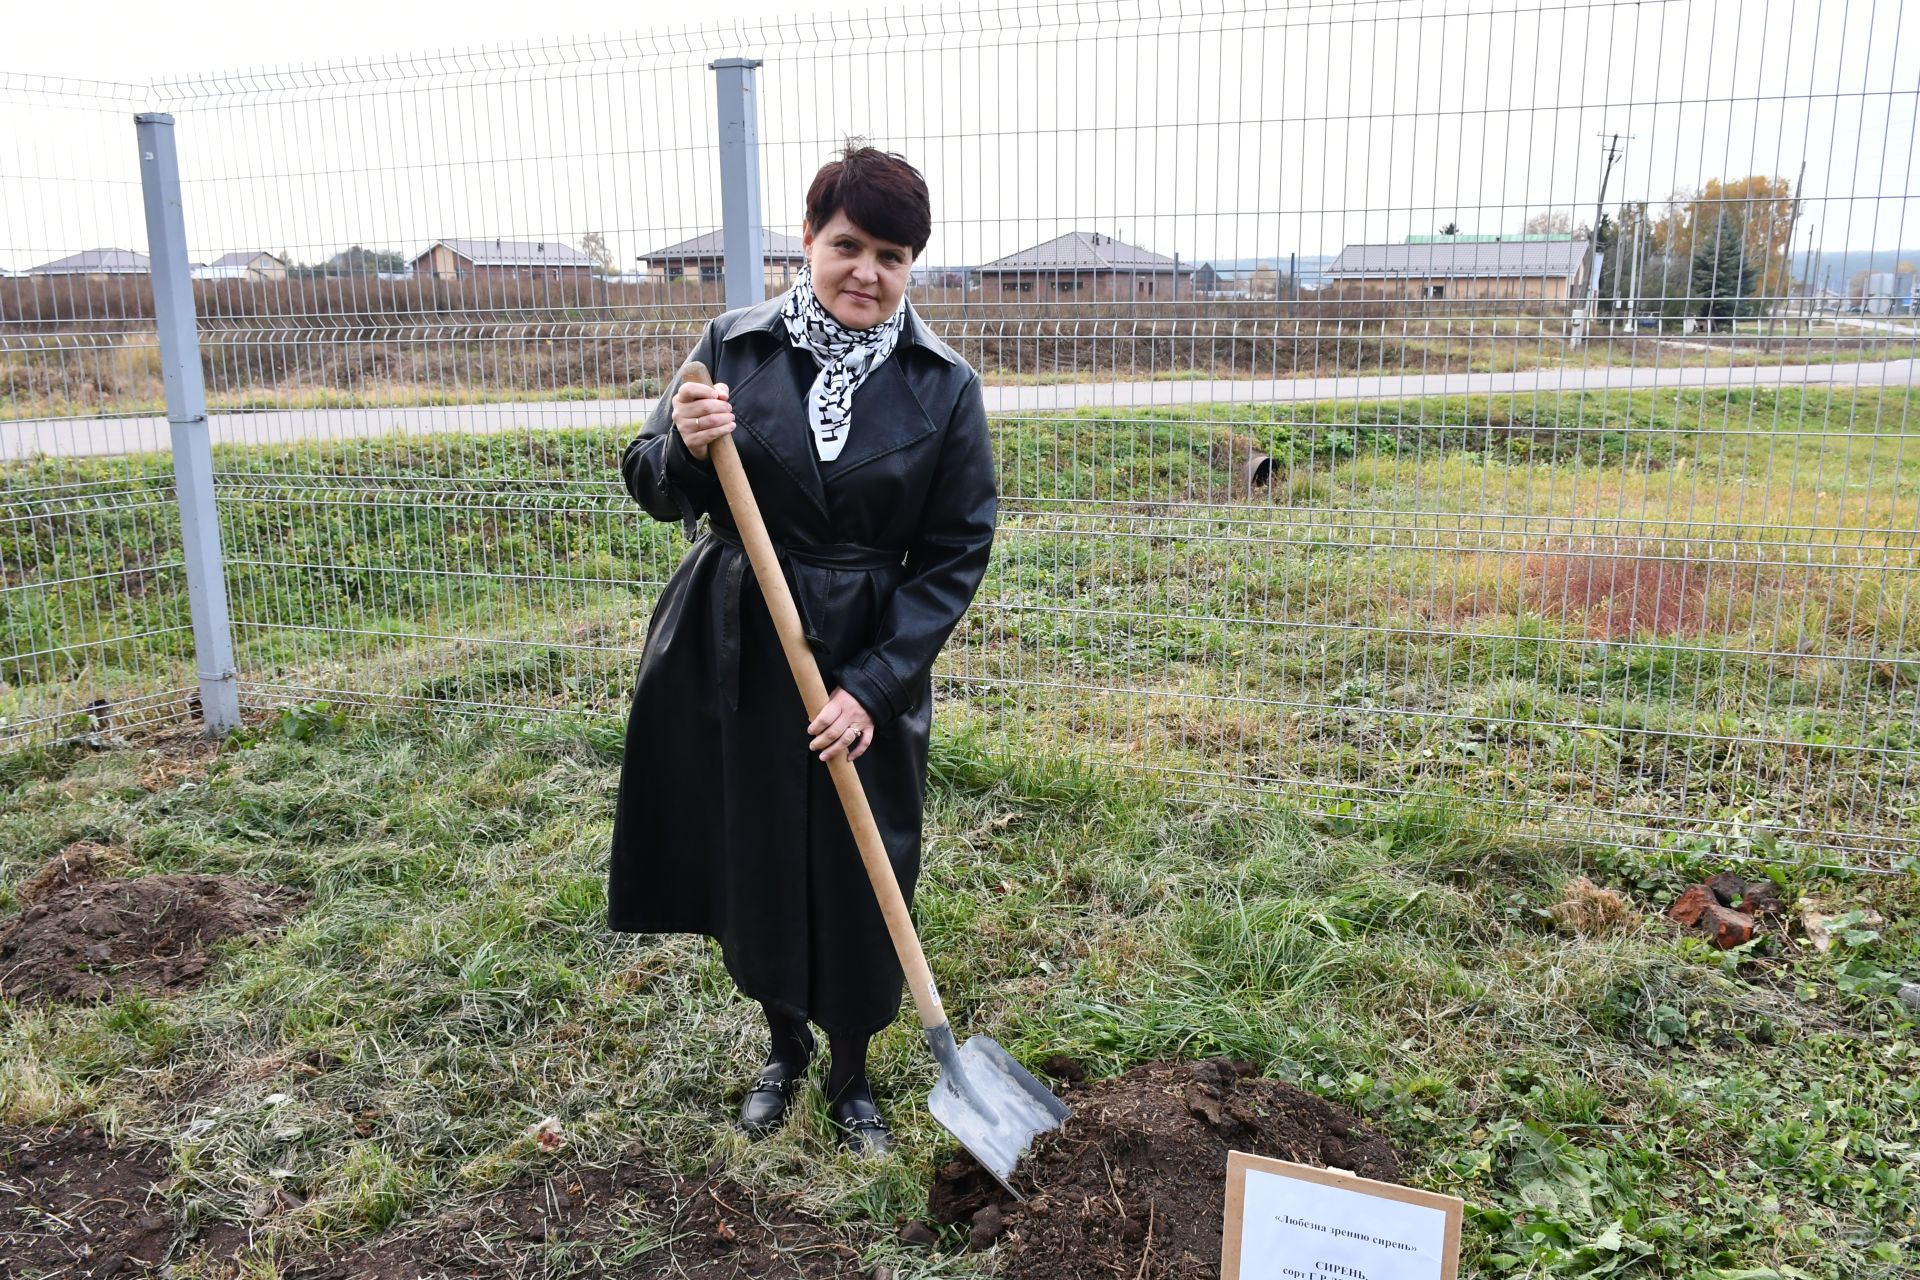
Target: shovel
[[984, 1098]]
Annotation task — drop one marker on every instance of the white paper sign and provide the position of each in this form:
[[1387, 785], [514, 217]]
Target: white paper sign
[[1295, 1222]]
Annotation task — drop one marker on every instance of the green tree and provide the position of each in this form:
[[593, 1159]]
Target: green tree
[[1723, 279], [1763, 211], [359, 261], [1622, 235], [1760, 211]]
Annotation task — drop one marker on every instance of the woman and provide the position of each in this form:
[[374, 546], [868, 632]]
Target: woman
[[865, 440]]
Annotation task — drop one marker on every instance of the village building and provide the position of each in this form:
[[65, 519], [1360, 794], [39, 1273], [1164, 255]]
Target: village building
[[95, 264], [1083, 266], [1449, 268], [504, 259], [244, 265], [703, 260]]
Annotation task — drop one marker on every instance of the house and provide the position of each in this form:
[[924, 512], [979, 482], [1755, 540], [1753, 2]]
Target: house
[[937, 278], [1450, 267], [704, 259], [1211, 283], [1888, 293], [1083, 265], [95, 264], [503, 259], [242, 266]]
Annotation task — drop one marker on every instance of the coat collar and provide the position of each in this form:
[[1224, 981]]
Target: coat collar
[[764, 317], [888, 414]]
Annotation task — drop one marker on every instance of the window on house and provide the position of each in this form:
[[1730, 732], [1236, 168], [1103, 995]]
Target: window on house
[[1433, 291], [1066, 286]]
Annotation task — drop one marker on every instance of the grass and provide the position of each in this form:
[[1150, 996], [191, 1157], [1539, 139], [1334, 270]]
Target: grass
[[1676, 618], [1629, 1104]]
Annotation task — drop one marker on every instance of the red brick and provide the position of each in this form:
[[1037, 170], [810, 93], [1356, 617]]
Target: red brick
[[1691, 905], [1728, 928]]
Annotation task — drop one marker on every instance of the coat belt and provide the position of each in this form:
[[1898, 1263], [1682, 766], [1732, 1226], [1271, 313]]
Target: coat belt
[[734, 565]]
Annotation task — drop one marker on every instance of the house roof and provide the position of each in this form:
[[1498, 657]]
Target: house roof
[[1474, 237], [513, 253], [1460, 258], [1082, 251], [242, 258], [94, 262], [779, 247]]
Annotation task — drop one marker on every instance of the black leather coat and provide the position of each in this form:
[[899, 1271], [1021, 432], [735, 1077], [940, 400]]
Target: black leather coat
[[727, 824]]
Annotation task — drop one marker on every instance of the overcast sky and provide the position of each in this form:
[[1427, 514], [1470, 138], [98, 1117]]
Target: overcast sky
[[1211, 130]]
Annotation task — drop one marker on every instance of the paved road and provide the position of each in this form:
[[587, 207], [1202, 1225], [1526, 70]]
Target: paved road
[[1905, 328], [106, 436]]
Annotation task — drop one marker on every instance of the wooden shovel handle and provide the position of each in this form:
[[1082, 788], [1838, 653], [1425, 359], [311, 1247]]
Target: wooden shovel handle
[[813, 692]]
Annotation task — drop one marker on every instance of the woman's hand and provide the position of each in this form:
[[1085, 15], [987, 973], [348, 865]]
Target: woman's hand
[[701, 415], [843, 727]]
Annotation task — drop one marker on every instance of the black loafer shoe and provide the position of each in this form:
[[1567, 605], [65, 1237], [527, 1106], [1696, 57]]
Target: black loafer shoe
[[863, 1130], [769, 1096]]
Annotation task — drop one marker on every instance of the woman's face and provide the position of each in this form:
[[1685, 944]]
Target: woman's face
[[857, 277]]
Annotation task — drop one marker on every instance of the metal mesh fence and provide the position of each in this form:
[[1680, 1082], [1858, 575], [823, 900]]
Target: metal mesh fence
[[94, 632], [1417, 400]]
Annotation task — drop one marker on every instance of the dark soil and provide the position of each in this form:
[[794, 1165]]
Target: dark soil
[[71, 1205], [628, 1220], [79, 862], [92, 939], [1134, 1184]]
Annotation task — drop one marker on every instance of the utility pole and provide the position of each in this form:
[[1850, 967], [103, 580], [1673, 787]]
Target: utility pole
[[1808, 298], [1582, 316], [1639, 258], [1613, 315], [1793, 229]]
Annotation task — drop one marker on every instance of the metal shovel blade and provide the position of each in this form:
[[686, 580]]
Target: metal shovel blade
[[989, 1102]]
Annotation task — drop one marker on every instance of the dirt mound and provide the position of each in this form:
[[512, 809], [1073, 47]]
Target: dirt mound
[[79, 862], [150, 934], [1135, 1183], [71, 1205]]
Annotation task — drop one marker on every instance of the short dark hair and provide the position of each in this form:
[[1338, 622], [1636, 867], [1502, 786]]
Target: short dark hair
[[880, 193]]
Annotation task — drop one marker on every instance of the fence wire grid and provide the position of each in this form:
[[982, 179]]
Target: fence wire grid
[[1394, 402]]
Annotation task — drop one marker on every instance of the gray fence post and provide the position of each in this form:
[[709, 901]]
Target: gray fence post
[[187, 412], [746, 244]]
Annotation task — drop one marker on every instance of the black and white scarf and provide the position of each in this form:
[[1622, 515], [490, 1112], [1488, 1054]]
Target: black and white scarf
[[846, 356]]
